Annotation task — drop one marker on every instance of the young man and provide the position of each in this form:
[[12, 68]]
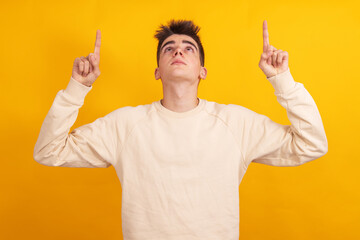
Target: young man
[[180, 160]]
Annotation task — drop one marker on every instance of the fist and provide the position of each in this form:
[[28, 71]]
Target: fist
[[274, 62]]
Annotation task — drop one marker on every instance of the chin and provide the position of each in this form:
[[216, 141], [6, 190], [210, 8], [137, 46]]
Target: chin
[[181, 78], [179, 75]]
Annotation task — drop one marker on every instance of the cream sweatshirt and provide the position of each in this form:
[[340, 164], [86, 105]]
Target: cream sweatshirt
[[180, 172]]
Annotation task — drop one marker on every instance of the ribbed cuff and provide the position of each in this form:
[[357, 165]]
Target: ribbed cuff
[[282, 82], [77, 90]]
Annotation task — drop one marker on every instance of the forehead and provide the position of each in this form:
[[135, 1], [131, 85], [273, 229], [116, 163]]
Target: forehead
[[178, 39]]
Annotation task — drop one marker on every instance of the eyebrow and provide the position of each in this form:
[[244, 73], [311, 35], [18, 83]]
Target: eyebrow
[[184, 41]]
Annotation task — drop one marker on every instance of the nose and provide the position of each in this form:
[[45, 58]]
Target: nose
[[178, 50]]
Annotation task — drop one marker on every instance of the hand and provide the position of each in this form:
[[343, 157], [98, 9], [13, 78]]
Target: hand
[[86, 70], [272, 61]]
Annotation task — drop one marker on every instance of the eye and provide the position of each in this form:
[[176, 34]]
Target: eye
[[189, 48], [168, 48]]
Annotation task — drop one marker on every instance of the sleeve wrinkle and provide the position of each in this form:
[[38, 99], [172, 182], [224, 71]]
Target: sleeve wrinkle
[[287, 145], [90, 145]]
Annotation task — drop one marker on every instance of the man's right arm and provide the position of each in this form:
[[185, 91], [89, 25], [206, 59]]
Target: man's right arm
[[91, 145]]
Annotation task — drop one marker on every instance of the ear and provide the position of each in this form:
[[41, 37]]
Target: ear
[[203, 73], [157, 73]]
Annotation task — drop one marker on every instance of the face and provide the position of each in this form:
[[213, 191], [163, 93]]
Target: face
[[180, 60]]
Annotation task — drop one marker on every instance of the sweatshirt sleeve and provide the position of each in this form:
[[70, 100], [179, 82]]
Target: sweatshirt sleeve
[[91, 145], [270, 143]]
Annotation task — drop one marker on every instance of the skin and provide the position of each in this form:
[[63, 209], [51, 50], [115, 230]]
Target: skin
[[180, 81], [86, 69], [272, 61]]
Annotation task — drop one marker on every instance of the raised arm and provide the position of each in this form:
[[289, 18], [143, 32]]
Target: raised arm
[[91, 145], [268, 142], [271, 143]]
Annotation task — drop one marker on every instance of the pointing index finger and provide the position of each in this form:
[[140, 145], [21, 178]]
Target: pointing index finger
[[265, 37], [97, 44]]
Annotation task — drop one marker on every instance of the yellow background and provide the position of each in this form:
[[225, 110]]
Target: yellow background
[[40, 40]]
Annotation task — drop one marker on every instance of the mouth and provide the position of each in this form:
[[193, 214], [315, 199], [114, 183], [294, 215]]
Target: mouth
[[177, 62]]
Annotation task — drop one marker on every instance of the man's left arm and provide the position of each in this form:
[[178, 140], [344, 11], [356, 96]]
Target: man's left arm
[[274, 144], [285, 145]]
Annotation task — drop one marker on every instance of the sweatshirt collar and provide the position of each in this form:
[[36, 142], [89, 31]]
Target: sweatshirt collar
[[188, 113]]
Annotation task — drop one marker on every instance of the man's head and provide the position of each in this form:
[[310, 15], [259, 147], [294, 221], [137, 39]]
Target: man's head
[[179, 27], [178, 41]]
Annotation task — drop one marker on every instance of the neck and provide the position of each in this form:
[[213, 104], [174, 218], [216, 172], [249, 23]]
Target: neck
[[180, 96]]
